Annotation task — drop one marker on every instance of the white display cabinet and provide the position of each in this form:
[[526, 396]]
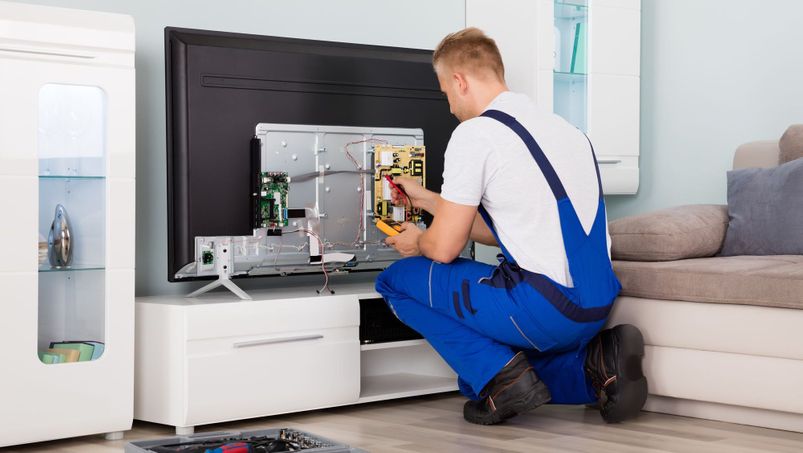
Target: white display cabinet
[[67, 151], [217, 358], [580, 58]]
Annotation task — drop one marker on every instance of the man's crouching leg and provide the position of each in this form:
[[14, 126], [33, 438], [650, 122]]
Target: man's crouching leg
[[422, 296]]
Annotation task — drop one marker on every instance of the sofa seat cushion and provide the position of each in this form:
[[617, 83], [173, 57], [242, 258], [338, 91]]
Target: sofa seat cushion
[[771, 281]]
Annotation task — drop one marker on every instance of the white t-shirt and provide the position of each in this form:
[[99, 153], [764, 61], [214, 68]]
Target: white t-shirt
[[487, 162]]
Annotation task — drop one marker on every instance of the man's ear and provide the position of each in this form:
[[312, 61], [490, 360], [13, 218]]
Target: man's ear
[[461, 82]]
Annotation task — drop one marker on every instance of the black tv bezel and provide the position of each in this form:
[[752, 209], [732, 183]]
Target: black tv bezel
[[177, 42]]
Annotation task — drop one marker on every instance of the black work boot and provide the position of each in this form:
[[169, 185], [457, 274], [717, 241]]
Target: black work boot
[[514, 390], [613, 364]]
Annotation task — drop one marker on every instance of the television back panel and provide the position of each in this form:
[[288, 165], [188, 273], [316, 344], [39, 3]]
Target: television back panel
[[221, 85]]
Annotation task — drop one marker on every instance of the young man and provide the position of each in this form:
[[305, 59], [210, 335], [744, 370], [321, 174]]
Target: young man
[[526, 331]]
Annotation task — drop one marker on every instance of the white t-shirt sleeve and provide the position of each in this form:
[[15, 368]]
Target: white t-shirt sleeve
[[465, 165]]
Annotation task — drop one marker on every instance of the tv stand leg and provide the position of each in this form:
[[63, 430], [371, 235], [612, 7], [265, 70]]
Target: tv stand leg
[[224, 263], [221, 281]]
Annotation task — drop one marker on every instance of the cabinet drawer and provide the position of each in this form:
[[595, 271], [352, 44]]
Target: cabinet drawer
[[292, 371], [620, 174], [245, 318]]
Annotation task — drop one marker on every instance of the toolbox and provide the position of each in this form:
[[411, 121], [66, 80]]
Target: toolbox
[[259, 441]]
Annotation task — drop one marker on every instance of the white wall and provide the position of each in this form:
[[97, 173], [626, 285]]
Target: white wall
[[714, 74], [411, 23]]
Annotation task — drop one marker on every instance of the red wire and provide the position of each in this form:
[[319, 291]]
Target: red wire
[[399, 189]]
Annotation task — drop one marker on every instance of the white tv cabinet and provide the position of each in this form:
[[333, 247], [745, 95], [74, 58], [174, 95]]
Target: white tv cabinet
[[218, 358]]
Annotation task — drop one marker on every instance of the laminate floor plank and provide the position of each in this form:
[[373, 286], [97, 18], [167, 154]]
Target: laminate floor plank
[[434, 424]]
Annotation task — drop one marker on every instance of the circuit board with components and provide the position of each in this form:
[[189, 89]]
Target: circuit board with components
[[273, 189], [390, 160]]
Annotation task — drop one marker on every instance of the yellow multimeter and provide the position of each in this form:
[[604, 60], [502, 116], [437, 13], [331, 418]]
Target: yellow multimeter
[[389, 227]]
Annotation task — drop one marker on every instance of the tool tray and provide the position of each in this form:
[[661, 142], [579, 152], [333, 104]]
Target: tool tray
[[285, 440]]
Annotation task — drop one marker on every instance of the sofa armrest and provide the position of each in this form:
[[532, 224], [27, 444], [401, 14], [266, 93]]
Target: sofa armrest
[[683, 232]]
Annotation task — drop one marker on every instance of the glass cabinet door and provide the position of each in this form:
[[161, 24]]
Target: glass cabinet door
[[71, 150], [570, 78]]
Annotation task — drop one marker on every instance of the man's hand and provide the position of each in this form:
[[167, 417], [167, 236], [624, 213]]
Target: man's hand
[[420, 197], [406, 242]]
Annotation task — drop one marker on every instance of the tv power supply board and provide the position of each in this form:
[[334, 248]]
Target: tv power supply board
[[393, 160]]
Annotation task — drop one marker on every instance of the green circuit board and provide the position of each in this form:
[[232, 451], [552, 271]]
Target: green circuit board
[[273, 188]]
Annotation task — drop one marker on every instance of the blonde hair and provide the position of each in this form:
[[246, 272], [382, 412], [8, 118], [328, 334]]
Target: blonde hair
[[469, 50]]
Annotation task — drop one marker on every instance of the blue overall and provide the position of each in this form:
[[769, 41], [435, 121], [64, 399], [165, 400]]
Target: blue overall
[[478, 316]]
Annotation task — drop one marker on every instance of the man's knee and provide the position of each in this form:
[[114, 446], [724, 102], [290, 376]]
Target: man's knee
[[383, 283], [401, 274]]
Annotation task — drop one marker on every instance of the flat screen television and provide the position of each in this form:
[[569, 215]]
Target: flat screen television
[[230, 97]]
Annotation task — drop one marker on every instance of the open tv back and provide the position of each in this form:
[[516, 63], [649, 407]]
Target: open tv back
[[225, 90]]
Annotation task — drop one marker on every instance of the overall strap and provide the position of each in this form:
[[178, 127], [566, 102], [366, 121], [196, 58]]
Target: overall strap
[[546, 168], [551, 176], [540, 159]]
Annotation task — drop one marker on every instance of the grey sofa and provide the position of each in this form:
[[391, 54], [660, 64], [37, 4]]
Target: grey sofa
[[724, 335]]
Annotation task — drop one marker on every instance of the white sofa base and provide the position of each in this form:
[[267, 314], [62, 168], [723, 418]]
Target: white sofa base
[[725, 413], [734, 363]]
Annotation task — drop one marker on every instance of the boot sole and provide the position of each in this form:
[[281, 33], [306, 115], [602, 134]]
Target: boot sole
[[631, 385], [537, 396]]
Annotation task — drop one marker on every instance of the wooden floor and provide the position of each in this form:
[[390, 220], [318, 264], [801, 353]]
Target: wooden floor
[[435, 424]]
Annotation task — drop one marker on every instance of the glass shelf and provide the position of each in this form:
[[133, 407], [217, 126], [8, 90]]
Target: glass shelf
[[71, 268], [569, 76], [571, 9], [67, 178]]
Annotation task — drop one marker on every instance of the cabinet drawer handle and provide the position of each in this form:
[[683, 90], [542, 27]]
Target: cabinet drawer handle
[[247, 344], [608, 161]]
